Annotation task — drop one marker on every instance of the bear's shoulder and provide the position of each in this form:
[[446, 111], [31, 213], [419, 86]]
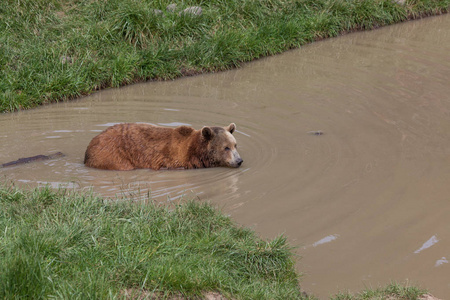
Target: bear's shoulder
[[184, 130]]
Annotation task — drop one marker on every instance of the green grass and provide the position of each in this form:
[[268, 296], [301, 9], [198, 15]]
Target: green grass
[[77, 246], [394, 291], [53, 50]]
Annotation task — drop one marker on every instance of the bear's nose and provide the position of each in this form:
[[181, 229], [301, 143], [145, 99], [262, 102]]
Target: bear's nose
[[240, 161]]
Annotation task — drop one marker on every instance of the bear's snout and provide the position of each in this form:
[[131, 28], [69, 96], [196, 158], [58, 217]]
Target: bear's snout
[[236, 163]]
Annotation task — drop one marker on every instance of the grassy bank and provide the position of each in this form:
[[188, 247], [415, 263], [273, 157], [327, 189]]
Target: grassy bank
[[52, 50], [77, 246]]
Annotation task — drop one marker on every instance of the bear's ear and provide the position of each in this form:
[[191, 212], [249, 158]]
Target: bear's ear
[[231, 128], [207, 133]]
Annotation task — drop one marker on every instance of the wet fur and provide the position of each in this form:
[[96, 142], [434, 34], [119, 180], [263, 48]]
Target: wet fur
[[139, 146]]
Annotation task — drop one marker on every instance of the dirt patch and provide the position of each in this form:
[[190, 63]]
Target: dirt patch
[[423, 297], [428, 297], [217, 296], [137, 294]]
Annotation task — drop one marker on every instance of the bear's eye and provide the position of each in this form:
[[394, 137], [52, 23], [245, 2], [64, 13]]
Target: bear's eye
[[227, 149]]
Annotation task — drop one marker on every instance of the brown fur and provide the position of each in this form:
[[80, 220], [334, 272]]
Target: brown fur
[[138, 146]]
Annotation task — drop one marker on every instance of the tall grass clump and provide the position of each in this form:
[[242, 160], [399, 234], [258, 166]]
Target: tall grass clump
[[77, 246], [56, 50]]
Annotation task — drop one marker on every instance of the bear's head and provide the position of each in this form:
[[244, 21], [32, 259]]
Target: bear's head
[[222, 146]]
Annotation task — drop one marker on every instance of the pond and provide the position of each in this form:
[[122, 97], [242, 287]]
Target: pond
[[366, 202]]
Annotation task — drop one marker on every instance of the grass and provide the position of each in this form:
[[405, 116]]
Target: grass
[[52, 50], [56, 244], [393, 291]]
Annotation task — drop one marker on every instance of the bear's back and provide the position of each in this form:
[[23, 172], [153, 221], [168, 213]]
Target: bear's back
[[138, 145]]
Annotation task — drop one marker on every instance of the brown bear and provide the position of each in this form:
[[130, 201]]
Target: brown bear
[[141, 146]]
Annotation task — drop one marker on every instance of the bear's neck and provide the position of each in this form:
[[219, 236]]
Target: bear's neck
[[198, 153]]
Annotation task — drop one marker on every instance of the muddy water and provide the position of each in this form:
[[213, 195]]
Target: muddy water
[[366, 202]]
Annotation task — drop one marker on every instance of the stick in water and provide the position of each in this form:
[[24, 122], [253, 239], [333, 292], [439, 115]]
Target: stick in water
[[26, 160]]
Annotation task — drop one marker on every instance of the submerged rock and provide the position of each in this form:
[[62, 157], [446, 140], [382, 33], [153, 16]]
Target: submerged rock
[[318, 132]]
